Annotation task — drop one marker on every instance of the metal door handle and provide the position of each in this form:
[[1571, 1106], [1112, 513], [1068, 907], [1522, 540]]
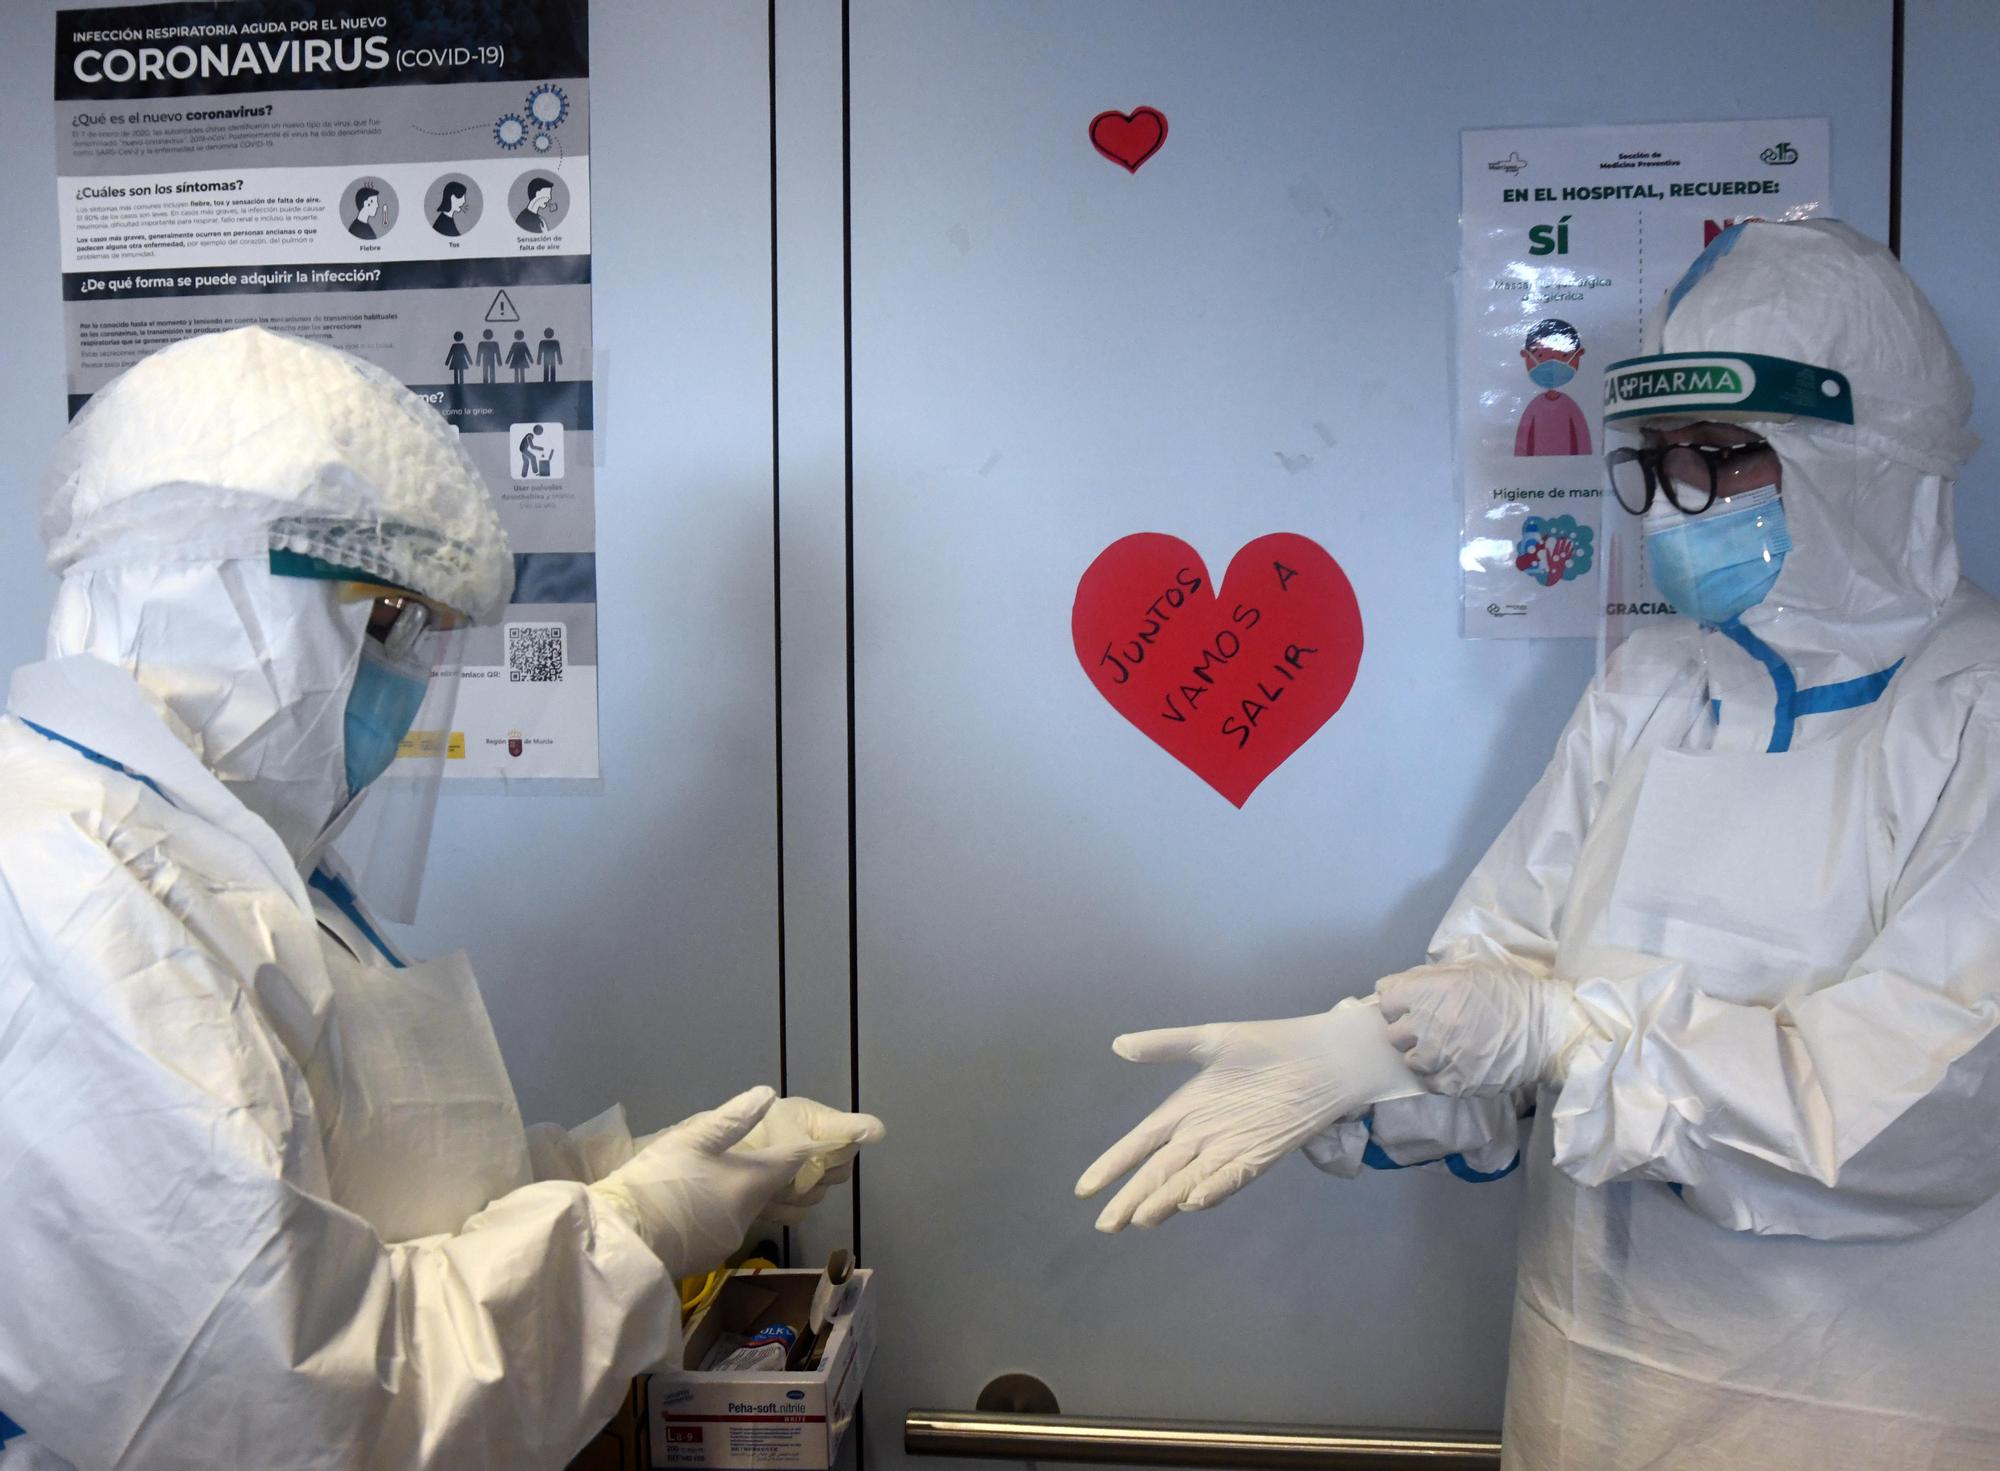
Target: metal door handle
[[1119, 1442]]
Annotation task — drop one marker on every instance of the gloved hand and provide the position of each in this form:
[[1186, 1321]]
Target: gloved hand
[[834, 1139], [694, 1191], [1264, 1089], [1479, 1028]]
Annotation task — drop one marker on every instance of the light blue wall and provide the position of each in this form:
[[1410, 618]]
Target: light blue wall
[[31, 351], [1951, 223]]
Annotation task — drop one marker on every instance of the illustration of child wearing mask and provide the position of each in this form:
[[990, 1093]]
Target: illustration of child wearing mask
[[1552, 424]]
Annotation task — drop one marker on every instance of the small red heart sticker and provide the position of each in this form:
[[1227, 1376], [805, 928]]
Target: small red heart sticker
[[1128, 139], [1231, 680]]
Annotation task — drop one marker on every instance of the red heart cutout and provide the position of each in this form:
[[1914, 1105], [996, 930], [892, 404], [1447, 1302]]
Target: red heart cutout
[[1230, 681], [1129, 138]]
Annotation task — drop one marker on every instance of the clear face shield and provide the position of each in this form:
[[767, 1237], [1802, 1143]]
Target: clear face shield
[[1694, 537], [1700, 508], [399, 737], [1695, 532]]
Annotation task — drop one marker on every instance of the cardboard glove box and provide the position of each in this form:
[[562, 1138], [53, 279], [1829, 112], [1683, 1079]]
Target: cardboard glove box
[[763, 1420]]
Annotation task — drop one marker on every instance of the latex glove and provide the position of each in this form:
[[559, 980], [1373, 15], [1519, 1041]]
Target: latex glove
[[834, 1139], [1264, 1089], [1477, 1028], [693, 1192]]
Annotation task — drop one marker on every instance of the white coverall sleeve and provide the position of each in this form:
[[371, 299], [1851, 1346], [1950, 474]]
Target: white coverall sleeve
[[182, 1294], [1868, 1109], [1476, 1139]]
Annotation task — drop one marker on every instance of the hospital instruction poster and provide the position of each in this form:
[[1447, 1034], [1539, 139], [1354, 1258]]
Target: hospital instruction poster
[[410, 183], [1569, 237]]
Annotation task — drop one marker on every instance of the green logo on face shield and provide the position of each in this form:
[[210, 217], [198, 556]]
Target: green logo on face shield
[[1711, 381]]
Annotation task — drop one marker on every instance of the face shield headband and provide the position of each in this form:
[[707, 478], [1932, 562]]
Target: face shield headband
[[1714, 385]]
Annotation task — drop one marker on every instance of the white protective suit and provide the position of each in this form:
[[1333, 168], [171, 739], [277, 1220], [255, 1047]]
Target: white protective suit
[[1760, 1227], [269, 1198]]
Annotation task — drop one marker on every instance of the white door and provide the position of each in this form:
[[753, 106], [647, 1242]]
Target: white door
[[1247, 335]]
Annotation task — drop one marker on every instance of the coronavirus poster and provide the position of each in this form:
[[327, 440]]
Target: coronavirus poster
[[407, 183], [1569, 237]]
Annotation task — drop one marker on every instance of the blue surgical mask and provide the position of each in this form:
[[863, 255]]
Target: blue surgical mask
[[381, 708], [1718, 565], [1552, 374]]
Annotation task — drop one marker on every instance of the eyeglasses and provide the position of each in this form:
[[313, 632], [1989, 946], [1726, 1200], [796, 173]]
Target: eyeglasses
[[397, 623], [1691, 476], [394, 609]]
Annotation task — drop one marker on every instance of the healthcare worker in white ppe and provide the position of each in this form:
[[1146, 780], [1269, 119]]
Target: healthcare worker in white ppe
[[268, 1200], [1739, 950]]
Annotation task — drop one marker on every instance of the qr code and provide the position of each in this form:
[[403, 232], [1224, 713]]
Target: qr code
[[535, 653]]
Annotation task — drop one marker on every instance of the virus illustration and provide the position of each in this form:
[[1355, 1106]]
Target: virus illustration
[[548, 106], [511, 131]]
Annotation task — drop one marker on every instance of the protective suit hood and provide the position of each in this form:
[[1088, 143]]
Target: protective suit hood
[[1869, 504], [250, 670], [167, 498]]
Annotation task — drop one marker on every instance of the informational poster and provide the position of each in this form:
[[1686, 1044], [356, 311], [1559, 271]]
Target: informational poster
[[407, 183], [1570, 236]]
